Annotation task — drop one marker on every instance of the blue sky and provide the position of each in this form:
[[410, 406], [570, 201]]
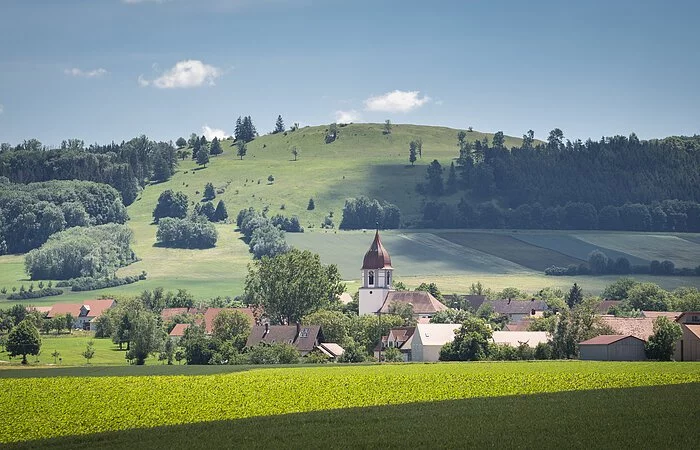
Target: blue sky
[[105, 70]]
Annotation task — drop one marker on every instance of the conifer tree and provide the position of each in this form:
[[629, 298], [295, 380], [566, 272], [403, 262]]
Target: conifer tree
[[242, 149], [279, 125], [202, 157], [209, 192], [221, 213], [215, 147], [412, 152], [451, 183]]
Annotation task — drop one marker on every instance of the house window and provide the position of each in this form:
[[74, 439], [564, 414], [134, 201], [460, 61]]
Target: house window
[[370, 278]]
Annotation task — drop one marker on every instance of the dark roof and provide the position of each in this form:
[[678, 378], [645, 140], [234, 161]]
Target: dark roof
[[423, 302], [377, 257], [402, 334], [516, 306], [305, 341], [607, 339], [475, 301]]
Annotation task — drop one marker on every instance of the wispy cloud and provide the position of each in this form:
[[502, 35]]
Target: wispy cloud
[[211, 133], [347, 116], [76, 72], [185, 74], [396, 101]]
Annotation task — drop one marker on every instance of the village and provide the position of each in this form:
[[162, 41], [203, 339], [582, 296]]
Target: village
[[422, 337]]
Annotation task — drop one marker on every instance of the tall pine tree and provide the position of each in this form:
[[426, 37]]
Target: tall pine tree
[[279, 125]]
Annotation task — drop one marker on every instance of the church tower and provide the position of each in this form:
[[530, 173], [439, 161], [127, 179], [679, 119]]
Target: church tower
[[377, 276]]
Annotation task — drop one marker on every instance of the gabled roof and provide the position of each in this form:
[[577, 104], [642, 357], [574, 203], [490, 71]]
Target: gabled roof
[[515, 338], [97, 307], [423, 302], [168, 313], [377, 257], [435, 333], [607, 339], [687, 313], [640, 327], [516, 306], [401, 334], [179, 330], [605, 305], [308, 336], [695, 329], [671, 315]]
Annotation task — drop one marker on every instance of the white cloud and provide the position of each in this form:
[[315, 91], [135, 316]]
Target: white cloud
[[396, 101], [96, 73], [185, 74], [211, 133], [347, 116]]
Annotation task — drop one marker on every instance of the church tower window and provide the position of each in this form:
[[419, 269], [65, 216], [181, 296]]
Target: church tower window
[[371, 278]]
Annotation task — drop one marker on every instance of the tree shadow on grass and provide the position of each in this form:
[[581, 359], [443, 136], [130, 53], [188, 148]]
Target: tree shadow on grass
[[646, 417]]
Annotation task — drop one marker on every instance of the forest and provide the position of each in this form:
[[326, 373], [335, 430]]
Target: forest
[[617, 183]]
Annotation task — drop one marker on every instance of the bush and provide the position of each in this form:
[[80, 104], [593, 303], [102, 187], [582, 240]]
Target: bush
[[92, 284], [46, 292], [362, 212], [278, 353]]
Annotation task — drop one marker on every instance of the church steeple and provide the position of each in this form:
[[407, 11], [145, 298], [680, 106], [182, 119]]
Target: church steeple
[[376, 277]]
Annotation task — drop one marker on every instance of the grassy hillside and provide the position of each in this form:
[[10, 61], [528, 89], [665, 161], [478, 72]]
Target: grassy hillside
[[362, 161], [644, 403]]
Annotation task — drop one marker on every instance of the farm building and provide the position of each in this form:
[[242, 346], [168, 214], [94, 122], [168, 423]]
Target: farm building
[[84, 313], [613, 347], [690, 340], [515, 338], [377, 293], [304, 337], [429, 338], [640, 327], [399, 337]]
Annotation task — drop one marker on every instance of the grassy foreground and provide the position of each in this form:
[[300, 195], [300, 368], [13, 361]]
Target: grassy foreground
[[439, 397]]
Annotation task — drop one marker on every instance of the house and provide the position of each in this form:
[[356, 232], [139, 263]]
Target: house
[[515, 338], [331, 350], [304, 337], [178, 331], [84, 313], [613, 347], [517, 310], [400, 338], [376, 294], [639, 327], [689, 346], [428, 339], [205, 317]]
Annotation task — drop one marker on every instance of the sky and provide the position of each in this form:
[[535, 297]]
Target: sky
[[109, 70]]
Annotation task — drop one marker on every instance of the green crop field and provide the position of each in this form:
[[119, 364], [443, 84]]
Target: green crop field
[[362, 161], [71, 347], [450, 405]]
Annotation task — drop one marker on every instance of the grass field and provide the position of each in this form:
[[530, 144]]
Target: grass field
[[342, 405], [362, 161], [71, 346]]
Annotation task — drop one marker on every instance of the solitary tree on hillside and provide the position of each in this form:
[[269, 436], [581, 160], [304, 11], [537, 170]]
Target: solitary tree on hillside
[[215, 147], [387, 127], [312, 205], [89, 352], [202, 157], [221, 213], [295, 153], [279, 125], [170, 204], [412, 148], [23, 340], [209, 192], [242, 149], [181, 142], [419, 147]]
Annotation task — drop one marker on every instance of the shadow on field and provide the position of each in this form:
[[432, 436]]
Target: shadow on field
[[647, 417]]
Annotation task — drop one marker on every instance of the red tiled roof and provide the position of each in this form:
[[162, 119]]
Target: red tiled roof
[[40, 309], [168, 313], [97, 307], [377, 257], [423, 302], [639, 327], [179, 330], [671, 315], [607, 339]]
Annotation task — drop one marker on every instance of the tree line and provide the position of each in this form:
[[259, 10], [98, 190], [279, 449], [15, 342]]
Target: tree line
[[363, 212], [31, 213], [127, 166]]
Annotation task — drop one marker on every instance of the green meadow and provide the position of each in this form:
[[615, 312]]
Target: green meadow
[[363, 161], [459, 404]]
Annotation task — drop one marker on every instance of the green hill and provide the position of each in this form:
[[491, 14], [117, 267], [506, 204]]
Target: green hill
[[362, 161]]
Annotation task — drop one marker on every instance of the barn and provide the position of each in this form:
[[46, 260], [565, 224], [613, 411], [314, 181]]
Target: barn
[[613, 347]]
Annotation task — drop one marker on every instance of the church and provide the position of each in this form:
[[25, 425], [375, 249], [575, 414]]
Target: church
[[377, 293]]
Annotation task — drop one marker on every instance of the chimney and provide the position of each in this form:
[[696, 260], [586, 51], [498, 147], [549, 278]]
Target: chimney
[[298, 329], [267, 329]]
